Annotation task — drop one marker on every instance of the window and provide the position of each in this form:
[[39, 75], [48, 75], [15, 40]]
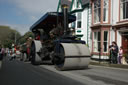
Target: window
[[79, 20], [73, 23], [123, 9], [97, 41], [105, 46], [75, 3], [60, 9], [78, 4], [105, 19], [97, 11]]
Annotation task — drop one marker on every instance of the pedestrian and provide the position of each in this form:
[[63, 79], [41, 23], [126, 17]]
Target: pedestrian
[[120, 55], [28, 47], [114, 52], [2, 51], [37, 35], [0, 58], [13, 53]]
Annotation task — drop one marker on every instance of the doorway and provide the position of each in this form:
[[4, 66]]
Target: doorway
[[125, 42]]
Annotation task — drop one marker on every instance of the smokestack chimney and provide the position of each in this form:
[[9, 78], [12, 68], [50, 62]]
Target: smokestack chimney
[[65, 17]]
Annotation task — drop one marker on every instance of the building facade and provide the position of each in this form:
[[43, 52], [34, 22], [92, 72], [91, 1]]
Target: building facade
[[82, 10], [109, 23], [99, 22]]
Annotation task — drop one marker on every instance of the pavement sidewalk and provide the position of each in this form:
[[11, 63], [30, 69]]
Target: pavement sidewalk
[[107, 64]]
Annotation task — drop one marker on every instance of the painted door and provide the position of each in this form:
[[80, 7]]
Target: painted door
[[125, 43]]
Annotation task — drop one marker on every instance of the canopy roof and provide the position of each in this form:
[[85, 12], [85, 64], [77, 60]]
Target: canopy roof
[[49, 21]]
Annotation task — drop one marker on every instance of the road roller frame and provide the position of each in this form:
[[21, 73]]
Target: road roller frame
[[56, 44]]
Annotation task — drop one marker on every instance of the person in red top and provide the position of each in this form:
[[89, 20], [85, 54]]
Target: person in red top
[[28, 45], [37, 35], [15, 49]]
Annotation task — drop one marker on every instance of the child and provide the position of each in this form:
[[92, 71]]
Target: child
[[120, 55]]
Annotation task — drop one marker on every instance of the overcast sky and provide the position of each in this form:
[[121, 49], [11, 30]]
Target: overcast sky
[[21, 14]]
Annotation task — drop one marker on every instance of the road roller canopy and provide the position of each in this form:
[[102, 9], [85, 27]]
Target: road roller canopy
[[50, 20]]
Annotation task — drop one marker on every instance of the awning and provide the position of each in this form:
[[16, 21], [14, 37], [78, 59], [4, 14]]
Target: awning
[[49, 20]]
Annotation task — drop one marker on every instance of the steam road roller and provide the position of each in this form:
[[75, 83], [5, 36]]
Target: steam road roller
[[54, 42]]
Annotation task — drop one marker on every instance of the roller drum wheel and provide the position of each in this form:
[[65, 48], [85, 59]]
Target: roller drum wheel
[[35, 58], [72, 56]]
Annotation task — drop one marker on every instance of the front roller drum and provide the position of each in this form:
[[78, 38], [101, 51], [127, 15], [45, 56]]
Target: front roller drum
[[72, 56]]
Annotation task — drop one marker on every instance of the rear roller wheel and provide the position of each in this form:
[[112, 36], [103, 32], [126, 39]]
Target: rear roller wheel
[[35, 58]]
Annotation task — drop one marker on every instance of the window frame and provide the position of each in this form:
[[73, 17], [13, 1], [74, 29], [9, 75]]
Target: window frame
[[97, 9], [96, 41], [73, 24], [122, 15], [106, 41], [105, 12], [79, 19]]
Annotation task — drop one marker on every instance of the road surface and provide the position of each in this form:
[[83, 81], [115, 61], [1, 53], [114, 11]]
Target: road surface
[[96, 75], [19, 73]]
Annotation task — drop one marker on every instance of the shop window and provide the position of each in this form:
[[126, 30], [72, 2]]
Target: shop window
[[123, 9], [79, 20], [105, 46], [97, 11], [105, 18], [97, 41]]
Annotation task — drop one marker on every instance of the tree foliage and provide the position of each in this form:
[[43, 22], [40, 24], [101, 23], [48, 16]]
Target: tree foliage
[[22, 39], [8, 36]]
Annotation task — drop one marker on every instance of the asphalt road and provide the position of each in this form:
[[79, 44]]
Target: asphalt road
[[18, 73], [96, 75]]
